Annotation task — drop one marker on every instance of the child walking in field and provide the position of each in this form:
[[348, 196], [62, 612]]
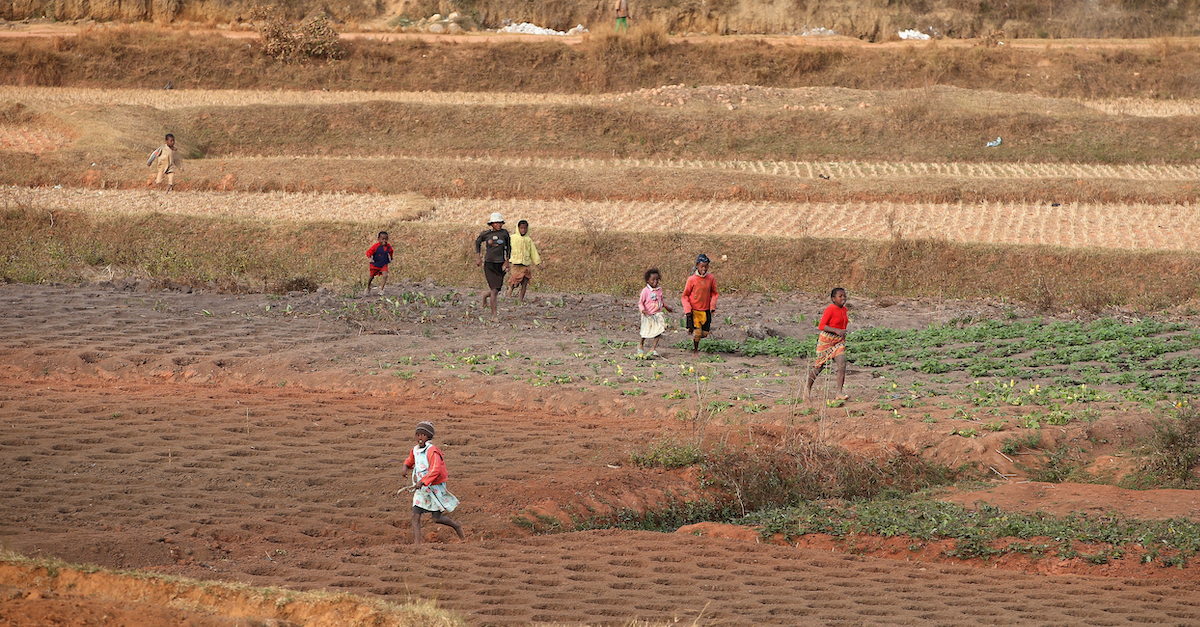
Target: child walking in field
[[524, 256], [699, 302], [381, 254], [169, 162], [429, 479], [651, 304]]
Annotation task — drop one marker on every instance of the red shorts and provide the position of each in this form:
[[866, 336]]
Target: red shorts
[[377, 271]]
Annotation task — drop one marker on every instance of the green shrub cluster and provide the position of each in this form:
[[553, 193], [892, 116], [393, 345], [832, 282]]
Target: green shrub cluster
[[1171, 542]]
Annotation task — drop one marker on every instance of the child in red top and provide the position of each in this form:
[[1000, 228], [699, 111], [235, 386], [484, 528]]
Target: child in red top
[[831, 343], [699, 302], [430, 495], [380, 254]]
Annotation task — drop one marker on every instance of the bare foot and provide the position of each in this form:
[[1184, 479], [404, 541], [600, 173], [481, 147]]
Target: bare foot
[[843, 397]]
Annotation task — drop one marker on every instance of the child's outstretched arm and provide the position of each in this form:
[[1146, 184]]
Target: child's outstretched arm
[[154, 155]]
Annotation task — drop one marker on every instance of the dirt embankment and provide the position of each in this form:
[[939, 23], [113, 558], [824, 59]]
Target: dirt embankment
[[873, 21]]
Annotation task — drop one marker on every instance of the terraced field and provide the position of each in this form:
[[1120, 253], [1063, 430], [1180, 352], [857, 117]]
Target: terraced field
[[160, 422]]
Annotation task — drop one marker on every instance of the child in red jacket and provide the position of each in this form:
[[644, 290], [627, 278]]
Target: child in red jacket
[[429, 479], [699, 302], [381, 254]]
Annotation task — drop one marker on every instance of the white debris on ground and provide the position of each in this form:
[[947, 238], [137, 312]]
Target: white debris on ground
[[526, 28], [819, 31], [913, 34], [437, 24]]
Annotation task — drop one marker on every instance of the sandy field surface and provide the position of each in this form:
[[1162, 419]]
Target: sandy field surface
[[1074, 225], [201, 435]]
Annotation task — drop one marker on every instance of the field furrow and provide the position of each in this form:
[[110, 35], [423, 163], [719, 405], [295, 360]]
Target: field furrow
[[831, 169], [57, 97], [1075, 225]]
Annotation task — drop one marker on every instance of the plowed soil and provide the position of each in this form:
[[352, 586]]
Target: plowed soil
[[202, 435]]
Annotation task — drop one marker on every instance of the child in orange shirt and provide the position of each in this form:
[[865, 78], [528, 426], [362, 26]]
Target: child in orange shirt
[[699, 302]]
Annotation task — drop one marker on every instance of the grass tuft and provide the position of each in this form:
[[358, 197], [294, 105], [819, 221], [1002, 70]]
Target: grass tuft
[[1172, 453]]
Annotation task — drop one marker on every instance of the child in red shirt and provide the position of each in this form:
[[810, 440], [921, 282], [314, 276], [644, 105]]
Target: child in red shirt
[[831, 343], [380, 254], [699, 302], [430, 495]]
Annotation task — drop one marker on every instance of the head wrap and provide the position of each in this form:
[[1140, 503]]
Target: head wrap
[[703, 258], [425, 427]]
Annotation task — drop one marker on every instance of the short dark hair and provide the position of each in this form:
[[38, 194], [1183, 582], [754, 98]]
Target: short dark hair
[[834, 291], [169, 136], [525, 222], [381, 234], [650, 272]]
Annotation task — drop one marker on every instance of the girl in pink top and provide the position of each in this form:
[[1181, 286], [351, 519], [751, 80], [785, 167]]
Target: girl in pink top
[[651, 304]]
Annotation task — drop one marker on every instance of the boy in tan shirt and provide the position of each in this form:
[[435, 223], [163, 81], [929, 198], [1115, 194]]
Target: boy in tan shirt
[[169, 162]]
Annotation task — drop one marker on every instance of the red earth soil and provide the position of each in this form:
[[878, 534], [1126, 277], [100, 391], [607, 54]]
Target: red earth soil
[[193, 435]]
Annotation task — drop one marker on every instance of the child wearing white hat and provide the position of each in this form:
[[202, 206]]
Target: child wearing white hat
[[494, 247]]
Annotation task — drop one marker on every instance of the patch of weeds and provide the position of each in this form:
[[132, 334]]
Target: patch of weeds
[[776, 477], [666, 452], [977, 530], [1065, 463], [1172, 453], [716, 407], [676, 395], [754, 408], [966, 432], [1015, 444], [537, 523], [633, 392]]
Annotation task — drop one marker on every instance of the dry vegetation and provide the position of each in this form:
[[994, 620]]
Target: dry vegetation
[[240, 254], [876, 156], [1133, 227], [865, 168], [149, 57], [873, 21]]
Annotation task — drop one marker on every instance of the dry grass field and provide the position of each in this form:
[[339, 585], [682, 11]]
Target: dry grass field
[[1138, 227], [194, 384]]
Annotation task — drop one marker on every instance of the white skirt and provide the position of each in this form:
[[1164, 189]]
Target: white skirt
[[653, 326]]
